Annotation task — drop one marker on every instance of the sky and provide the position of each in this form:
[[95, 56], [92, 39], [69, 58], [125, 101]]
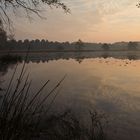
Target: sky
[[90, 20]]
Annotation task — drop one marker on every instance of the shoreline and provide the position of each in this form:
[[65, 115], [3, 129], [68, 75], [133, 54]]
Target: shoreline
[[67, 51]]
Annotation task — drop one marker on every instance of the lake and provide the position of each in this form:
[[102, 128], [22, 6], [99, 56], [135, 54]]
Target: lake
[[109, 85]]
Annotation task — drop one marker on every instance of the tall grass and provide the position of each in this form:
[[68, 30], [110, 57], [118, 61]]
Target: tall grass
[[20, 113], [24, 117]]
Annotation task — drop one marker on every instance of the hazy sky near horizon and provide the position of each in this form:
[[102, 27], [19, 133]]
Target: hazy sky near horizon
[[90, 20]]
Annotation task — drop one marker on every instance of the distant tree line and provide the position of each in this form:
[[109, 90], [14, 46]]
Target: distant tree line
[[36, 45], [132, 45], [12, 44]]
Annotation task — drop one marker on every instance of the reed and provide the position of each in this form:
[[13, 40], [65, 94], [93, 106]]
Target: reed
[[22, 115]]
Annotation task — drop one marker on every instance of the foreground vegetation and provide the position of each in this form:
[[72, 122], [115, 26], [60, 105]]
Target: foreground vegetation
[[24, 116]]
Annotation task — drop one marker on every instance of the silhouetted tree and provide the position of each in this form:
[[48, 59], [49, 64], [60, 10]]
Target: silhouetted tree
[[105, 47], [26, 43], [79, 44], [12, 44], [43, 43], [60, 47], [67, 43], [3, 38], [132, 45], [19, 42], [37, 43]]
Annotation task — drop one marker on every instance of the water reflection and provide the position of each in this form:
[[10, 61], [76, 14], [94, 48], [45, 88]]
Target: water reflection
[[5, 66], [78, 56], [132, 57], [109, 85]]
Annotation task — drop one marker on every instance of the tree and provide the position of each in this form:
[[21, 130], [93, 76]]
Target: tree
[[27, 6], [79, 44], [105, 46], [132, 45], [3, 37], [26, 43], [60, 47]]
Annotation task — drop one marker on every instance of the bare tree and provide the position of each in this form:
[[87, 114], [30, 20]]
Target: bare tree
[[27, 6]]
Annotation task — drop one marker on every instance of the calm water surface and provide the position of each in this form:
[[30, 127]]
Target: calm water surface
[[110, 85]]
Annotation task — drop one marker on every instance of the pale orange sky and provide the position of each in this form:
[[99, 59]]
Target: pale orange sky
[[90, 20]]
